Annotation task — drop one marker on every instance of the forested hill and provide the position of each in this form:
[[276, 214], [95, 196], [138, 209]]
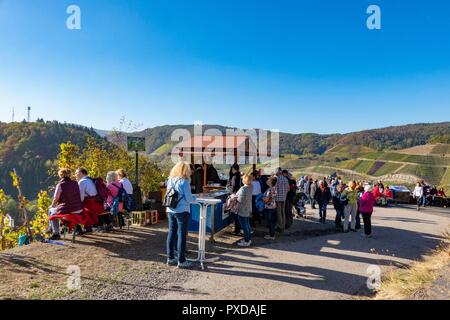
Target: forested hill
[[391, 138], [31, 148]]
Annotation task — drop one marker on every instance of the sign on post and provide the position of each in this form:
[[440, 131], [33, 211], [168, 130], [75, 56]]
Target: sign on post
[[136, 144]]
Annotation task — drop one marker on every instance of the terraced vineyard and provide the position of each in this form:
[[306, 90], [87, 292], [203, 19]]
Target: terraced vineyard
[[433, 167]]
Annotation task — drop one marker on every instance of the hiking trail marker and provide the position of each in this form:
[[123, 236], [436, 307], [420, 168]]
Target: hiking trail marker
[[136, 144]]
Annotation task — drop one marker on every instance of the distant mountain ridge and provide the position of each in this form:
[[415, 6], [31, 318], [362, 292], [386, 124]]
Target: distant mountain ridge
[[32, 148], [390, 138]]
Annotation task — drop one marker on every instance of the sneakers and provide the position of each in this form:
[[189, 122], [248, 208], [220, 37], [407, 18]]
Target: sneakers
[[172, 262], [185, 265], [366, 235], [244, 243], [268, 237]]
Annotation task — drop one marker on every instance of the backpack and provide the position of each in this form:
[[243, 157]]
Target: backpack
[[102, 190], [172, 198], [344, 199]]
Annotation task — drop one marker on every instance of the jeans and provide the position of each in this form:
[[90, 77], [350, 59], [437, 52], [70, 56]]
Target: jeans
[[424, 201], [245, 224], [178, 227], [367, 218], [313, 203], [54, 224], [237, 225], [271, 218], [281, 215], [350, 210], [323, 209], [339, 215]]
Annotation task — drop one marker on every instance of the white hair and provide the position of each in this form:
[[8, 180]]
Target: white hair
[[368, 188], [111, 177]]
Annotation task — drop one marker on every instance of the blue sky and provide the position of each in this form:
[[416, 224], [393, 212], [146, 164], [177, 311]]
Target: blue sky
[[296, 66]]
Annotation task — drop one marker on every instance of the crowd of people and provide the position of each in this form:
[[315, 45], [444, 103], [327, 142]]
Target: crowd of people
[[429, 195], [101, 205]]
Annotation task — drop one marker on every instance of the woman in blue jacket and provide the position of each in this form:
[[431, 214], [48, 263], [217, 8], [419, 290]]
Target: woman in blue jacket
[[178, 217]]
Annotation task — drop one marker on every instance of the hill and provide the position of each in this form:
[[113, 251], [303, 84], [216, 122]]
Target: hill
[[31, 148], [391, 138]]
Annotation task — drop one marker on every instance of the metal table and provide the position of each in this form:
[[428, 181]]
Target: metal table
[[204, 203]]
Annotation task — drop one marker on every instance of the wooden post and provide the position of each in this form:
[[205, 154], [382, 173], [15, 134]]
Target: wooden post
[[136, 172]]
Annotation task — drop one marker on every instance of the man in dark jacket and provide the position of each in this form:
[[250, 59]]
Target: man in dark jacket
[[323, 197], [233, 186]]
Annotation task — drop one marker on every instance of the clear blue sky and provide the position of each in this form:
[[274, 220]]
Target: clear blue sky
[[297, 66]]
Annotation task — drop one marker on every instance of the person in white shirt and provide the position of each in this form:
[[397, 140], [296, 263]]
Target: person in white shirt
[[88, 193], [87, 186], [417, 194], [124, 181]]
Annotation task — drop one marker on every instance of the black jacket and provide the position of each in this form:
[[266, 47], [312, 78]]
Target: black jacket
[[322, 196]]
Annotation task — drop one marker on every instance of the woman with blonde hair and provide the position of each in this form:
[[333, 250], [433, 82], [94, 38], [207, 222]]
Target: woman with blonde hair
[[178, 216], [244, 197], [349, 197]]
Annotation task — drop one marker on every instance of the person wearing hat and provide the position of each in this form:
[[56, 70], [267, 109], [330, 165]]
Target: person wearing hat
[[366, 203]]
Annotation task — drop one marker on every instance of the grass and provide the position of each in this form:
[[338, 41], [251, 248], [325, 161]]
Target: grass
[[411, 282], [441, 149]]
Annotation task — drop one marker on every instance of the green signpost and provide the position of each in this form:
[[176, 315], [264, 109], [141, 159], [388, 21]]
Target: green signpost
[[136, 144]]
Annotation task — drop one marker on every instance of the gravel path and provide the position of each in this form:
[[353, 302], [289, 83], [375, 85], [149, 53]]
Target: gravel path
[[333, 266], [311, 261]]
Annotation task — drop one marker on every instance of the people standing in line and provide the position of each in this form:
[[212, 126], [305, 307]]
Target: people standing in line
[[338, 206], [256, 191], [88, 191], [66, 200], [313, 189], [366, 203], [233, 186], [418, 194], [270, 207], [349, 197], [244, 197], [323, 197], [282, 188], [179, 180]]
